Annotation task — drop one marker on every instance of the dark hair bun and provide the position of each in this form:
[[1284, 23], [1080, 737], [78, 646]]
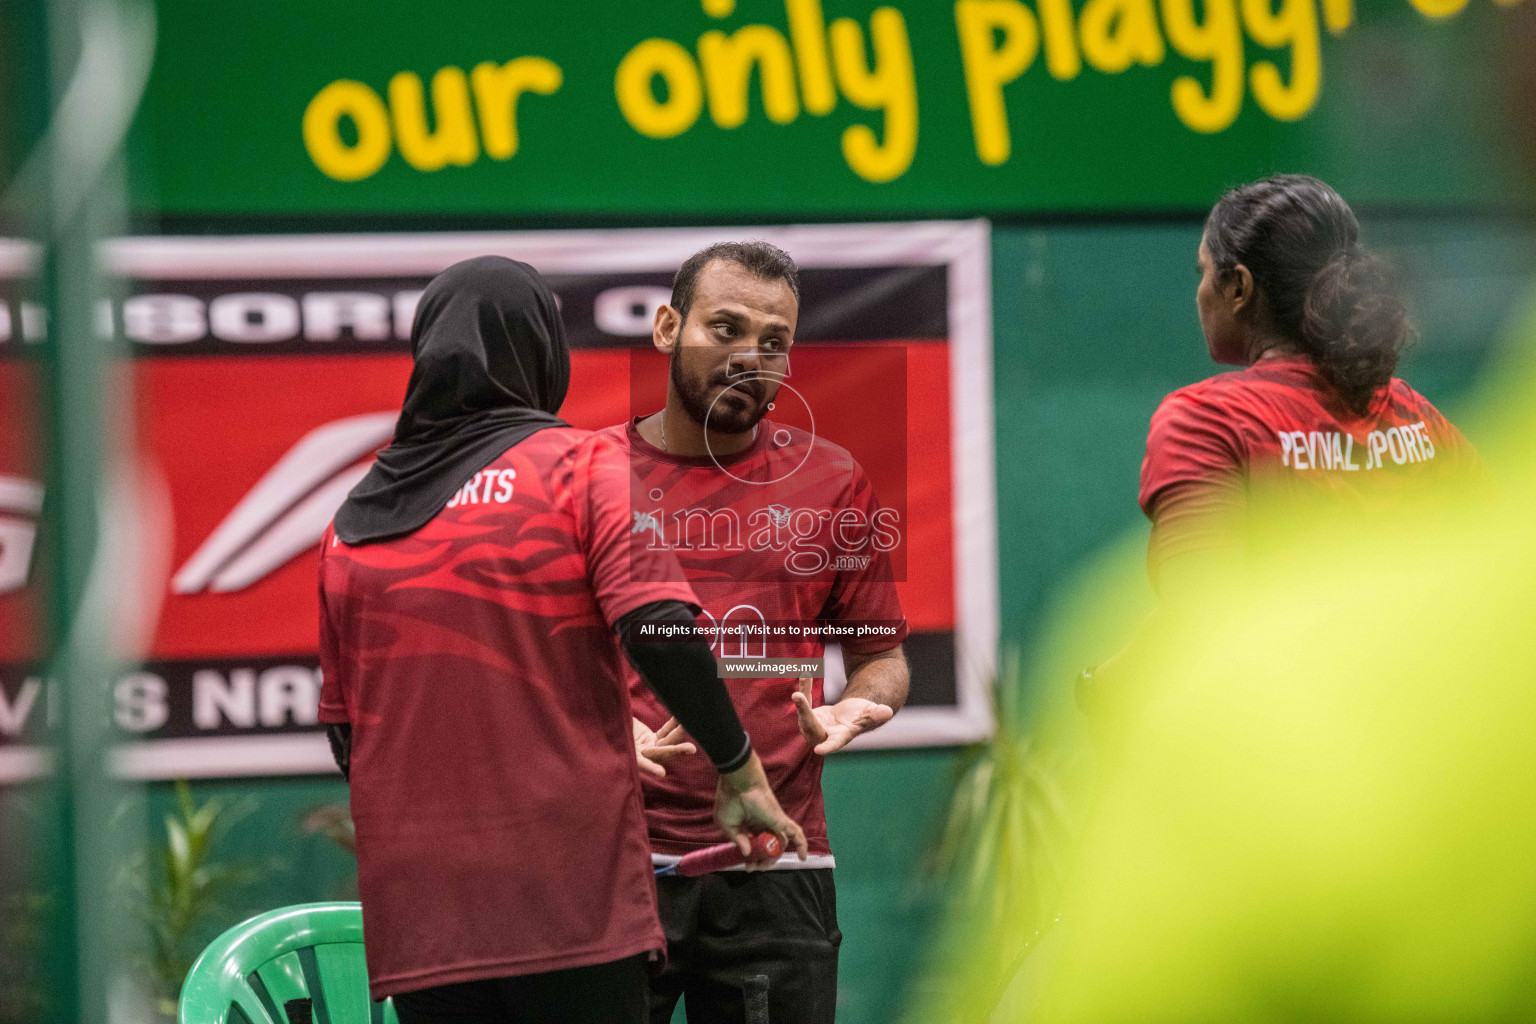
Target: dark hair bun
[[1355, 323], [1325, 293]]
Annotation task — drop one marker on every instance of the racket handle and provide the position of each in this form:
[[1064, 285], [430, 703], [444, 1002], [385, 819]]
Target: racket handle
[[725, 855]]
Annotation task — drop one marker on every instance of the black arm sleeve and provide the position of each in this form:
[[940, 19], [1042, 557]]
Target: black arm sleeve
[[681, 672], [340, 736]]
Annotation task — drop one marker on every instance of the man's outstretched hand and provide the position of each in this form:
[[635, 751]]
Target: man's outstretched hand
[[653, 747], [832, 726]]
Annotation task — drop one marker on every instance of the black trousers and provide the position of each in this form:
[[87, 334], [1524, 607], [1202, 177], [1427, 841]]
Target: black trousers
[[611, 993], [749, 948]]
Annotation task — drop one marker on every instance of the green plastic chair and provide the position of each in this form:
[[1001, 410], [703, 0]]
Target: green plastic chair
[[312, 950]]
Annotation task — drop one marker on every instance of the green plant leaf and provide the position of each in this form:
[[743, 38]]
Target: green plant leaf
[[1003, 847], [177, 888]]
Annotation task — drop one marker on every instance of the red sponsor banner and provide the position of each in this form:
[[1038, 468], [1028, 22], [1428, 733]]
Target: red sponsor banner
[[216, 427], [267, 371], [21, 497]]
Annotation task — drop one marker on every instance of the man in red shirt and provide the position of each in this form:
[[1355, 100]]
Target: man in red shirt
[[776, 531], [470, 587]]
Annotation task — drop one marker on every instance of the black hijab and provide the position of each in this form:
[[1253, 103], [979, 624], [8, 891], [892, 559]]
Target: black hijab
[[491, 368]]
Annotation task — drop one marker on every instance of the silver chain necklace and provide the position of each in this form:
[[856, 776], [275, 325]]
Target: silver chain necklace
[[662, 422]]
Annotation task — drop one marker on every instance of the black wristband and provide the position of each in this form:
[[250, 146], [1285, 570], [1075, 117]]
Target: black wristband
[[738, 761]]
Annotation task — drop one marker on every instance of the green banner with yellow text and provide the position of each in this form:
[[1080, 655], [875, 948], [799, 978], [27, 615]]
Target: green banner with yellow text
[[813, 108]]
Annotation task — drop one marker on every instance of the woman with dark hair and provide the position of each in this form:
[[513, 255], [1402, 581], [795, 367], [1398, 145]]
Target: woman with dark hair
[[1287, 292]]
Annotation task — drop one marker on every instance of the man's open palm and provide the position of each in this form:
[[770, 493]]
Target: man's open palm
[[832, 726]]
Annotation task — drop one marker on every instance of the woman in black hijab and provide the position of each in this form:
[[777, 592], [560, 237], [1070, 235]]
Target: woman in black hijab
[[492, 367], [475, 697]]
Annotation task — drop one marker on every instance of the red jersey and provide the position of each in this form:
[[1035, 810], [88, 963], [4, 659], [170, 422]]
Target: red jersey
[[786, 534], [493, 776], [1280, 423]]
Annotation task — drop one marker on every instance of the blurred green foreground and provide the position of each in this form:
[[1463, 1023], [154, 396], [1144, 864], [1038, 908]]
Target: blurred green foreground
[[1326, 807]]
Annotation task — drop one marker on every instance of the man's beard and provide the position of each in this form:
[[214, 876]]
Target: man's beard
[[725, 417]]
